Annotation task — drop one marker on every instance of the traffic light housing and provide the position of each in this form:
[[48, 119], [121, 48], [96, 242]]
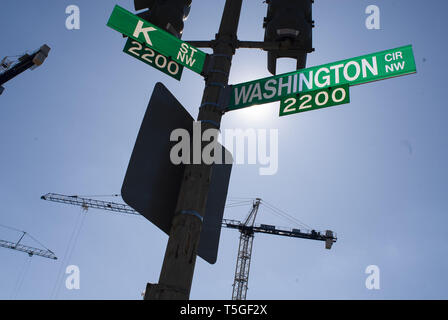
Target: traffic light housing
[[289, 24], [166, 14]]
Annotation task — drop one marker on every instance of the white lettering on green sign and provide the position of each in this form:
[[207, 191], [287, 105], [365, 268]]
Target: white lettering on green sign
[[139, 30], [312, 100], [163, 42], [186, 54], [153, 58], [368, 68]]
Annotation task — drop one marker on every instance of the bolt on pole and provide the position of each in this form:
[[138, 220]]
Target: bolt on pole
[[180, 256]]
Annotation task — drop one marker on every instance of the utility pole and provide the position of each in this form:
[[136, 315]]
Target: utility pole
[[180, 256]]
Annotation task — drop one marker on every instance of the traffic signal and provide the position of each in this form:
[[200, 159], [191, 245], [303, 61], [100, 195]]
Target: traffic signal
[[289, 24], [166, 14]]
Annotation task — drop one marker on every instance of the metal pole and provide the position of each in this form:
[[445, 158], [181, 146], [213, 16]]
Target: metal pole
[[180, 255]]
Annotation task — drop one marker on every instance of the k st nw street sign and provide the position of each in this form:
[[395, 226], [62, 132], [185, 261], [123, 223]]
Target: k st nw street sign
[[154, 37], [153, 58], [363, 69], [312, 100]]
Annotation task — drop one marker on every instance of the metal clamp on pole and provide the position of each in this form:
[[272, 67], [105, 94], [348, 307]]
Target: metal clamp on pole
[[213, 123], [219, 71], [209, 63], [223, 101], [193, 213]]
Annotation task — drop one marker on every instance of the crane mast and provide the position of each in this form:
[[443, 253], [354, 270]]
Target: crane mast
[[247, 231], [244, 254]]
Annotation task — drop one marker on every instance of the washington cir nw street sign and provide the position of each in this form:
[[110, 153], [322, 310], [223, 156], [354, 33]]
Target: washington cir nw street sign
[[363, 69]]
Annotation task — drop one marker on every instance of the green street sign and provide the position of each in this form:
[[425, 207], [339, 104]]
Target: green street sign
[[363, 69], [154, 37], [153, 58], [312, 100]]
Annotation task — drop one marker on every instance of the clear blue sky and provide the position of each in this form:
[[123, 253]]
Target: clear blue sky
[[374, 170]]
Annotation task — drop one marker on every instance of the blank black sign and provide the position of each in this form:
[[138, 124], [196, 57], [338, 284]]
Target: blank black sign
[[152, 183]]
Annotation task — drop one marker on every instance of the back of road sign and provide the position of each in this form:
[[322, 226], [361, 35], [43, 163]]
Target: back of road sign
[[152, 182]]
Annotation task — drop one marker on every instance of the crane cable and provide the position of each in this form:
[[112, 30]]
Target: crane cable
[[40, 243], [231, 202], [21, 277], [27, 234], [23, 273], [10, 228], [237, 204], [284, 215], [69, 257], [98, 196], [70, 245]]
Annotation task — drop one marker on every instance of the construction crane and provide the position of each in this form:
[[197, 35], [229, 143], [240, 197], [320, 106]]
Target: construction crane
[[86, 203], [247, 230], [9, 69], [46, 253]]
